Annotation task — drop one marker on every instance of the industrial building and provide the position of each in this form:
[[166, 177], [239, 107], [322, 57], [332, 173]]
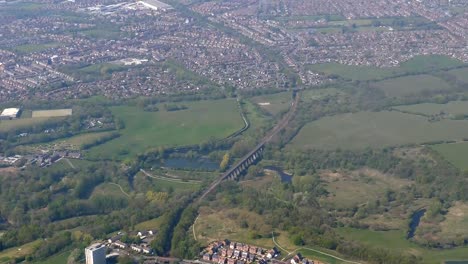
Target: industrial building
[[9, 113], [96, 254], [156, 5]]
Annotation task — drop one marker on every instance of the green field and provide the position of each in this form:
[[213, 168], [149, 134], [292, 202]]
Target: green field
[[30, 48], [56, 259], [413, 84], [453, 108], [456, 153], [145, 130], [376, 130], [7, 125], [395, 240], [461, 74], [20, 251], [417, 64], [52, 113], [274, 103]]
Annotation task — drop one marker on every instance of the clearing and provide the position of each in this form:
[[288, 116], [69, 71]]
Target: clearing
[[376, 130], [453, 108]]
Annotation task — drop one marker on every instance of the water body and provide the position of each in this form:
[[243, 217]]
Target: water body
[[191, 164], [283, 175], [415, 219]]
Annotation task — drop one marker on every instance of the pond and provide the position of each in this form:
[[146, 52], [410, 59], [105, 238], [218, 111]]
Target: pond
[[283, 175], [191, 164], [415, 219]]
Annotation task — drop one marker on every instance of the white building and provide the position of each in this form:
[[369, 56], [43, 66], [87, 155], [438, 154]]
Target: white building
[[95, 254], [9, 113]]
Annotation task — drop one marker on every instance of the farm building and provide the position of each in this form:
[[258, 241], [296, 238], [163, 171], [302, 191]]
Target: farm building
[[9, 113]]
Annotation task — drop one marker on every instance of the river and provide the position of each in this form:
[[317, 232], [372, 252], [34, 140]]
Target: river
[[414, 223], [283, 175], [191, 164]]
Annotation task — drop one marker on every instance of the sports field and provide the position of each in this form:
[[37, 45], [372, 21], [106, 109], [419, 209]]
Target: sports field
[[376, 130], [452, 108], [274, 103], [456, 153], [413, 84], [145, 130], [419, 64], [52, 113]]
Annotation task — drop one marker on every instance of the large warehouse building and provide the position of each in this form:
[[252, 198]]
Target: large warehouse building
[[9, 113]]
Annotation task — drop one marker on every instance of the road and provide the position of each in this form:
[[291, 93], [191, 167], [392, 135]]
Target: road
[[282, 124]]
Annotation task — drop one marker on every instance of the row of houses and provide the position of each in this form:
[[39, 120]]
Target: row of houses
[[226, 252]]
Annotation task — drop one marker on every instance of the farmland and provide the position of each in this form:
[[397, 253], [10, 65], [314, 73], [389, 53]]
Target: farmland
[[144, 130], [460, 74], [52, 113], [455, 153], [376, 130], [413, 84], [453, 108], [419, 64], [394, 240], [7, 125]]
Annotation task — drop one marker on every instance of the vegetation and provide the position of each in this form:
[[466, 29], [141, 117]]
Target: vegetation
[[146, 130], [420, 64], [407, 85], [455, 153]]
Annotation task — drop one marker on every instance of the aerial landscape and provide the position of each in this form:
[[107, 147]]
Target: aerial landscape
[[234, 131]]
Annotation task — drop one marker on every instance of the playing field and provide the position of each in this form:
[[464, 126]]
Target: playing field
[[145, 130], [452, 108], [52, 113], [417, 64], [376, 130], [413, 84], [395, 240], [456, 153]]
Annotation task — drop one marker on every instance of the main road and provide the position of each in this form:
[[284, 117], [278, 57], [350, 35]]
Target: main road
[[281, 124]]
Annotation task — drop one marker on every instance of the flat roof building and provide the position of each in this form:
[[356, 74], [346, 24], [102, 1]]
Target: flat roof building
[[9, 113], [96, 254], [156, 5]]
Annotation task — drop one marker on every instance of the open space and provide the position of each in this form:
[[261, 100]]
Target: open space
[[453, 108], [145, 130], [460, 74], [413, 84], [376, 129], [16, 252], [349, 189], [274, 103], [52, 113], [7, 125], [395, 240], [419, 64], [60, 258], [455, 153]]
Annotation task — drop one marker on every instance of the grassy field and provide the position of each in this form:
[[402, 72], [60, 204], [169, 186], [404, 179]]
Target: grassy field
[[417, 64], [7, 125], [274, 103], [108, 189], [30, 48], [350, 189], [456, 221], [376, 130], [413, 84], [17, 252], [461, 74], [60, 258], [52, 113], [150, 224], [144, 130], [395, 240], [452, 108], [456, 153]]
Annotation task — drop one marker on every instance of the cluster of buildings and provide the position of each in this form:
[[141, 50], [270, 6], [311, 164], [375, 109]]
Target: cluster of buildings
[[142, 247], [228, 252], [49, 57]]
